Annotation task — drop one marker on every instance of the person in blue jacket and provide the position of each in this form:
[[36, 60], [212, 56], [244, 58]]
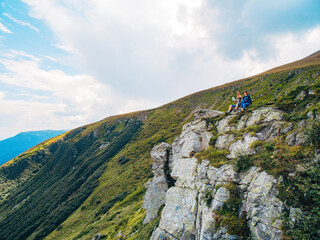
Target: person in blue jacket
[[246, 100]]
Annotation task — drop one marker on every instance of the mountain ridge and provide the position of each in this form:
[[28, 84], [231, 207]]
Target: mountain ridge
[[89, 182], [13, 146]]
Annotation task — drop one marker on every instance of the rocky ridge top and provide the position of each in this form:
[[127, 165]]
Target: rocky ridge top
[[192, 191]]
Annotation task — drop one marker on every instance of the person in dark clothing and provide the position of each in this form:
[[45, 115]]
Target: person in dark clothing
[[235, 106], [246, 100]]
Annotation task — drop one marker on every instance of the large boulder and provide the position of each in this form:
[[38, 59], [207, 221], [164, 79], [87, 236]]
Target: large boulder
[[194, 138], [270, 132], [264, 209], [160, 234], [224, 126], [222, 175], [179, 214], [224, 141], [242, 147], [264, 114], [157, 188], [185, 171], [206, 113], [221, 196]]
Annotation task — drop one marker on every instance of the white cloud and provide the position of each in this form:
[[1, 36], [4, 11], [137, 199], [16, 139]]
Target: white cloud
[[52, 99], [2, 95], [132, 55], [65, 48], [22, 23], [51, 58], [3, 28], [18, 116], [12, 54], [159, 49]]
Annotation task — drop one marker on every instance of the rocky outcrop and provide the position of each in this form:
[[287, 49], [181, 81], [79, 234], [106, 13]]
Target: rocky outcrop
[[264, 114], [224, 141], [194, 138], [157, 188], [242, 147], [264, 210], [200, 190], [178, 217]]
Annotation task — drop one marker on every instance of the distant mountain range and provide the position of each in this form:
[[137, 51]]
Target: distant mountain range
[[12, 147]]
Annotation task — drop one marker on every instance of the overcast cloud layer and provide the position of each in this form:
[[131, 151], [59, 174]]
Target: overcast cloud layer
[[125, 55]]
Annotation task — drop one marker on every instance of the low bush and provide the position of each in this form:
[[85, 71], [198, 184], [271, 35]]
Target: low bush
[[213, 140], [304, 192], [294, 117], [216, 157], [242, 163], [208, 196], [314, 135], [228, 214]]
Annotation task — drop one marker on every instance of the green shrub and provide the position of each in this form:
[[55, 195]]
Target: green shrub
[[242, 163], [304, 192], [254, 128], [294, 117], [314, 135], [213, 140], [269, 146], [216, 157], [228, 215], [256, 144], [208, 196]]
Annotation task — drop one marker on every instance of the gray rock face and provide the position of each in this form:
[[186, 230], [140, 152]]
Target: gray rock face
[[206, 113], [264, 209], [222, 175], [291, 138], [160, 234], [184, 171], [302, 95], [223, 141], [287, 129], [270, 132], [302, 124], [247, 177], [265, 114], [193, 139], [301, 139], [296, 138], [295, 215], [179, 213], [223, 125], [242, 147], [200, 189], [221, 196], [242, 123], [157, 188]]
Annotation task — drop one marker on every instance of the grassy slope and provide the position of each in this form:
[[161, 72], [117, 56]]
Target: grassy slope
[[114, 204], [127, 217]]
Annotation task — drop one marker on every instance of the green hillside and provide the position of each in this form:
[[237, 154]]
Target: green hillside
[[91, 180]]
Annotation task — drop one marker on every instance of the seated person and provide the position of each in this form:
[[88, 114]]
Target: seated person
[[235, 106], [246, 101]]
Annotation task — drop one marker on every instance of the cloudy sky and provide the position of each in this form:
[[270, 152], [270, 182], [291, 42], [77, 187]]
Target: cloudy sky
[[65, 63]]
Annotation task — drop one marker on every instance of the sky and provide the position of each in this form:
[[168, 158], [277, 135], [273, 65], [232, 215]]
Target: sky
[[66, 63]]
